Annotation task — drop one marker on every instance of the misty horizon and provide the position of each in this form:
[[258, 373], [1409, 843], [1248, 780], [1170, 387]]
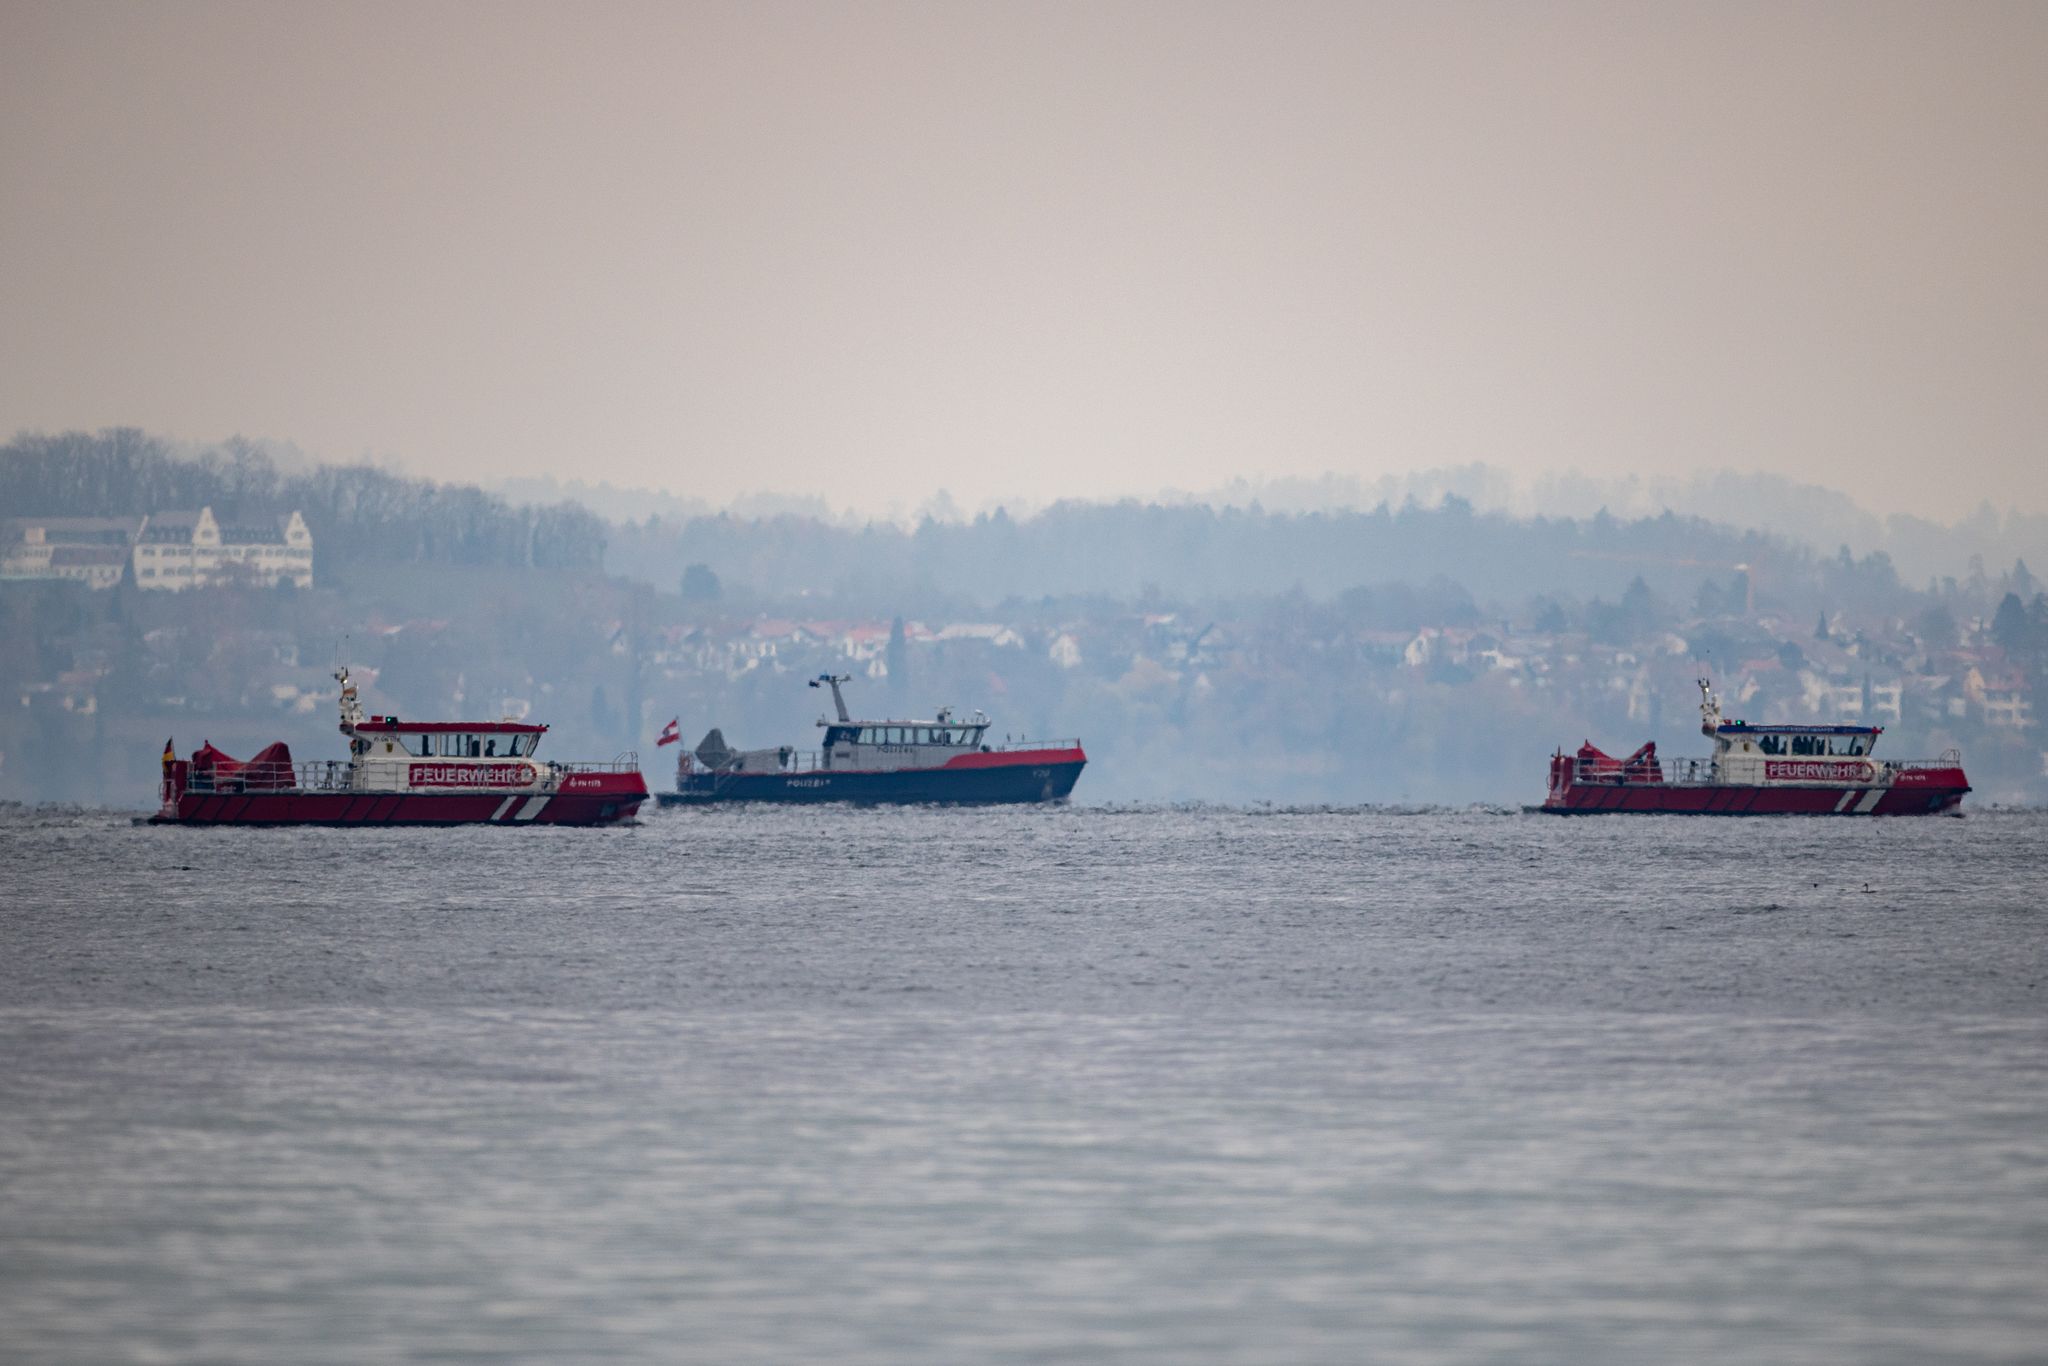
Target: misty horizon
[[1568, 492]]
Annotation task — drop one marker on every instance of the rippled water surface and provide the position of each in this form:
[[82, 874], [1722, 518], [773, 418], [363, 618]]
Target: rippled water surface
[[1041, 1085]]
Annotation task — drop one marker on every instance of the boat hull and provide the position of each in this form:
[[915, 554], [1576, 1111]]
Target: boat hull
[[1921, 798], [1050, 779], [605, 805]]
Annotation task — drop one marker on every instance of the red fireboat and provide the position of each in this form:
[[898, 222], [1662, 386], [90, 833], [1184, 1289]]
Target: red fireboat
[[1758, 771], [401, 773]]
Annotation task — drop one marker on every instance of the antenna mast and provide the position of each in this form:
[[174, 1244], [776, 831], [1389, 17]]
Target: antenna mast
[[833, 681]]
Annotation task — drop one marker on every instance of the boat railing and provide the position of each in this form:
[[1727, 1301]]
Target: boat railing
[[629, 762], [1660, 773], [785, 761], [1950, 758], [328, 775], [1683, 771], [813, 760], [335, 775], [1614, 773]]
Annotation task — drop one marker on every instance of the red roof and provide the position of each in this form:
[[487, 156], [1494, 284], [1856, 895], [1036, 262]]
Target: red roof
[[391, 723]]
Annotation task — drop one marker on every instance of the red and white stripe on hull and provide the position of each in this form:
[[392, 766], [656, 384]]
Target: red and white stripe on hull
[[617, 798], [1018, 758], [1915, 793]]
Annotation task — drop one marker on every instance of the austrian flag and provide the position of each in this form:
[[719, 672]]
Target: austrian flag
[[670, 733]]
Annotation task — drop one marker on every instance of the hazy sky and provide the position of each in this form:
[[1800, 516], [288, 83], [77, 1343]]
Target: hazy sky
[[867, 250]]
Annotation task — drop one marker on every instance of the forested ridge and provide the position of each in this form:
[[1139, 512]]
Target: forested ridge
[[358, 514], [1122, 550]]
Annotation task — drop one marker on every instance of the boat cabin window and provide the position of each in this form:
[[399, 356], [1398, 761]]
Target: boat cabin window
[[902, 735], [466, 745], [1832, 746]]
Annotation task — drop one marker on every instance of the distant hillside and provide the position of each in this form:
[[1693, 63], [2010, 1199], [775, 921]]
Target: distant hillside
[[358, 515], [1811, 515], [1804, 515], [1127, 551]]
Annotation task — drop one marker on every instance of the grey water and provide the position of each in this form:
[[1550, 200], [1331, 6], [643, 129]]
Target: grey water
[[1026, 1085]]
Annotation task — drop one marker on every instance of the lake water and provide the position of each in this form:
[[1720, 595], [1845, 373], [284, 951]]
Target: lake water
[[1027, 1085]]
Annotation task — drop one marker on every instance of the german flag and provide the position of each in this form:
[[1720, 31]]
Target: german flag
[[170, 755]]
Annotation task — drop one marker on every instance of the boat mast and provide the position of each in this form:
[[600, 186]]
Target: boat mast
[[351, 709], [833, 681], [1710, 710]]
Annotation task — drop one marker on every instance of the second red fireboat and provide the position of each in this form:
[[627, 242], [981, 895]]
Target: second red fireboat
[[1758, 771]]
